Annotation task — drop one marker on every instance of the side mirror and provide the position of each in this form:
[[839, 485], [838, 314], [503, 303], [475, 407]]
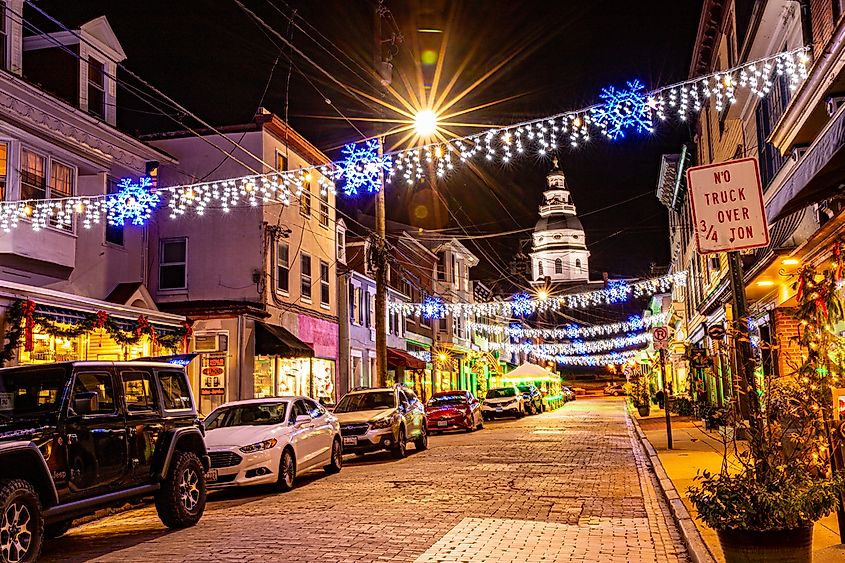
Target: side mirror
[[86, 402], [302, 419]]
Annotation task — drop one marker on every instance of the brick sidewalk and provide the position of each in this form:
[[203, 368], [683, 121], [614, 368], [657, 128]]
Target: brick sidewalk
[[695, 448], [571, 485]]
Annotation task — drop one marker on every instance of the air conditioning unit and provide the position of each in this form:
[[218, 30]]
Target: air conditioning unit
[[211, 342]]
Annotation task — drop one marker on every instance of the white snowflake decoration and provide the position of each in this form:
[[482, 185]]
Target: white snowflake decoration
[[135, 201], [623, 109], [361, 167]]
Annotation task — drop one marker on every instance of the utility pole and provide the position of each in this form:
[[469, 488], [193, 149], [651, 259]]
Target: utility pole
[[666, 397], [381, 280], [380, 253]]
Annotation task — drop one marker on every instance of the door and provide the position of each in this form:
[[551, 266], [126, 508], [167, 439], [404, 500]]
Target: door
[[323, 433], [302, 436], [143, 421], [95, 433]]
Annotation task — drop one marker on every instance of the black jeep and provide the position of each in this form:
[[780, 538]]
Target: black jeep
[[80, 436]]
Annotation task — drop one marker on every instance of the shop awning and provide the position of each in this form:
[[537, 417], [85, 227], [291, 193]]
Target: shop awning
[[402, 359], [274, 340], [818, 175]]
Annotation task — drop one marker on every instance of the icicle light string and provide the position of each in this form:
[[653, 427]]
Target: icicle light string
[[361, 167], [522, 305], [571, 331], [591, 361], [576, 347]]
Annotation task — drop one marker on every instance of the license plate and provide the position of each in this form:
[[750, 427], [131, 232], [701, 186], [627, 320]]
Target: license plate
[[211, 475], [350, 440], [498, 409], [442, 423]]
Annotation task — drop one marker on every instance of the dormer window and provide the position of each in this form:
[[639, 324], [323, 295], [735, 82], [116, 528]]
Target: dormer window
[[96, 88]]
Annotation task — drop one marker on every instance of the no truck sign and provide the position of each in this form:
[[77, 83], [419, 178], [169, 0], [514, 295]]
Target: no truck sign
[[727, 206]]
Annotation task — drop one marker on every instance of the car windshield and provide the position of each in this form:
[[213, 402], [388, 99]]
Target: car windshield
[[256, 414], [499, 393], [376, 400], [447, 400], [30, 392]]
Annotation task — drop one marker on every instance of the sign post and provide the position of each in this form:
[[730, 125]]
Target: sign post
[[660, 337], [729, 215]]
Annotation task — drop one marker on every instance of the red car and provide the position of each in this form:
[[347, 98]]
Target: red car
[[453, 410]]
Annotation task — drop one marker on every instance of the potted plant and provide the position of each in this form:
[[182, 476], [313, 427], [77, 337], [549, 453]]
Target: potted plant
[[769, 493], [637, 391]]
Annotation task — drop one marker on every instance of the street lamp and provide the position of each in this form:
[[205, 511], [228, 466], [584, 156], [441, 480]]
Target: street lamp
[[425, 123]]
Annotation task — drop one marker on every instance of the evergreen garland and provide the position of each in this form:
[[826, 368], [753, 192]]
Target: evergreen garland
[[90, 322]]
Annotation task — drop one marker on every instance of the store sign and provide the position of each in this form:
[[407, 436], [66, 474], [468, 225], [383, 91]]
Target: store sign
[[727, 206], [213, 374], [660, 337]]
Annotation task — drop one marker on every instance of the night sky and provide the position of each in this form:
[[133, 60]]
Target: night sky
[[213, 58]]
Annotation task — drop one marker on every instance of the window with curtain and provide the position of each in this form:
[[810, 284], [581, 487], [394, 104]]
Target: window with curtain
[[33, 175], [324, 207], [558, 266], [305, 200], [4, 169], [61, 185]]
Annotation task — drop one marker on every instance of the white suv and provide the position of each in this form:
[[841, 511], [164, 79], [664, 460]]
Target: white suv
[[381, 419], [503, 401]]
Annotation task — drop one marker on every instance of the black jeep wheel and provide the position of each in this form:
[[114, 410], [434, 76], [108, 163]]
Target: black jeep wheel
[[398, 450], [181, 500], [21, 523], [336, 462], [57, 529], [421, 443]]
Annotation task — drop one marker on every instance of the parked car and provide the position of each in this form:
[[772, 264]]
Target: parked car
[[533, 400], [568, 393], [76, 437], [271, 441], [614, 389], [384, 418], [453, 410], [503, 401]]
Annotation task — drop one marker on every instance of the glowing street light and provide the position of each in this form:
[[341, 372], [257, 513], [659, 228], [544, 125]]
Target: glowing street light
[[425, 123]]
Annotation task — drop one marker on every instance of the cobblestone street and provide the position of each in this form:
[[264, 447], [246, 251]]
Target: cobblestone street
[[571, 485]]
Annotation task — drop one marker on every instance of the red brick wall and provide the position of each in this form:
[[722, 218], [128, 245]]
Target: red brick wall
[[785, 334], [821, 12]]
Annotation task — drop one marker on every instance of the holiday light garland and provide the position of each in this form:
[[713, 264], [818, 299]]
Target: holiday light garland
[[572, 331], [521, 305], [590, 361], [361, 168], [575, 347]]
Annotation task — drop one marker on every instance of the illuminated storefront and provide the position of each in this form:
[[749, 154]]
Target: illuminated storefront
[[311, 377]]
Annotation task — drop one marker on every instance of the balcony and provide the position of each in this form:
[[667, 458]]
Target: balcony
[[546, 210], [48, 252]]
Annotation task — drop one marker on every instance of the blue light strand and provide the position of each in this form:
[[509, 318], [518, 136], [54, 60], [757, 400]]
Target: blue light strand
[[433, 308], [134, 202], [362, 168], [522, 305], [623, 110]]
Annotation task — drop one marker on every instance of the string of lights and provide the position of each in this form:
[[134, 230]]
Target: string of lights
[[592, 361], [523, 304], [361, 168], [571, 331], [576, 347]]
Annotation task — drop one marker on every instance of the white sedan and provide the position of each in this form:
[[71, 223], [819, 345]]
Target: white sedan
[[270, 441]]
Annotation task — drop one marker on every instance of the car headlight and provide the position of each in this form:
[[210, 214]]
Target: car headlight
[[259, 446], [381, 423]]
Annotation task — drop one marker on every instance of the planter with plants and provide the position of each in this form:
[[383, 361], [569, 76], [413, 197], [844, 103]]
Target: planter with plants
[[771, 490], [637, 391]]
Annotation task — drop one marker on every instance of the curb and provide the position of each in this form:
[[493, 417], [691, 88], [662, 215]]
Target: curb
[[698, 550]]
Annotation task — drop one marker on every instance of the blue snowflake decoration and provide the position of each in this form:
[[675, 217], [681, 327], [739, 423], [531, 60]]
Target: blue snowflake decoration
[[134, 202], [433, 308], [522, 305], [622, 110], [617, 292], [362, 167]]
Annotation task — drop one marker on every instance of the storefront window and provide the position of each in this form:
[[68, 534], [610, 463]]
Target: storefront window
[[310, 377], [96, 345], [263, 376]]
